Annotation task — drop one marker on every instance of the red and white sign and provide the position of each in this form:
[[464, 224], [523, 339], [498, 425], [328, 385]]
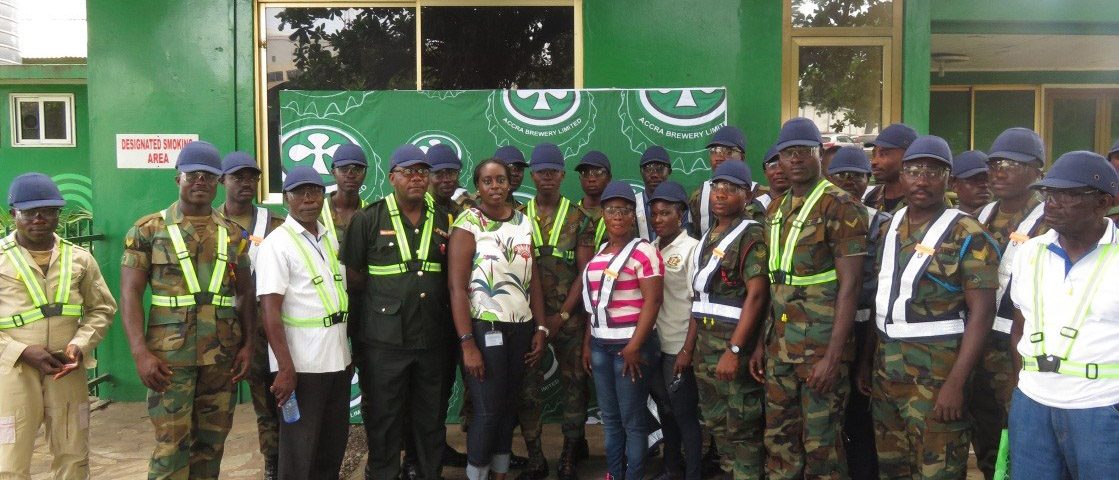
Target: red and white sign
[[150, 150]]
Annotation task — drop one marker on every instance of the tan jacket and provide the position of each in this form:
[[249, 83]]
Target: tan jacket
[[88, 289]]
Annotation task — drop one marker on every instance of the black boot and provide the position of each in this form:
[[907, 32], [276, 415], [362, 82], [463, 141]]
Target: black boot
[[452, 457], [568, 459], [271, 469], [517, 462], [539, 471], [581, 449]]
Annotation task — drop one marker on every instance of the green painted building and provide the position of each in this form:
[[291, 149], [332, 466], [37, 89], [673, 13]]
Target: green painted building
[[957, 68]]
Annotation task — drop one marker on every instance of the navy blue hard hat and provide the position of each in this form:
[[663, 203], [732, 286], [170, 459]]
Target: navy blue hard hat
[[655, 154], [235, 161], [199, 156], [1114, 148], [510, 155], [669, 191], [929, 146], [546, 156], [618, 189], [302, 175], [443, 157], [969, 164], [407, 155], [34, 190], [348, 154], [728, 136], [798, 132], [771, 155], [734, 172], [849, 159], [594, 159], [1018, 144], [1079, 169], [896, 135]]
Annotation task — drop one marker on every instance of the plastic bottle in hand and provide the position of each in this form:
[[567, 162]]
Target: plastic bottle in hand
[[290, 409]]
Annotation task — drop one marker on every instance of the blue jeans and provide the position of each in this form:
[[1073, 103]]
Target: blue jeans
[[1056, 443], [622, 401]]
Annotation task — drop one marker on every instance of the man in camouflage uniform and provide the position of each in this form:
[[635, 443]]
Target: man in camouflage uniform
[[1015, 162], [594, 174], [969, 181], [728, 143], [348, 166], [561, 255], [196, 346], [446, 168], [936, 264], [732, 290], [885, 159], [241, 178], [817, 238], [513, 158]]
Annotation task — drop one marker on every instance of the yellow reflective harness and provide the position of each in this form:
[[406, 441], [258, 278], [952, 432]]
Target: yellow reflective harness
[[551, 248], [781, 259], [407, 263], [42, 309], [197, 296], [335, 312]]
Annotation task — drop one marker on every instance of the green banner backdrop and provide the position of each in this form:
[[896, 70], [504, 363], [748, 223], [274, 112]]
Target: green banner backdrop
[[621, 123]]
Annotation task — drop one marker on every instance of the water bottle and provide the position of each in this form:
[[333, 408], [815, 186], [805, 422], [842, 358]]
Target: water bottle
[[290, 410]]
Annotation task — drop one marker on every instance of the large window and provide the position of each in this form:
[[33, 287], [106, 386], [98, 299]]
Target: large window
[[42, 120], [418, 44], [841, 63]]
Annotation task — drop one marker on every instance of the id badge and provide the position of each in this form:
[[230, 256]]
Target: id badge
[[493, 339]]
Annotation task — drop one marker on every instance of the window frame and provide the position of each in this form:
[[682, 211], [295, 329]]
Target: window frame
[[888, 38], [1039, 101], [260, 89], [17, 141]]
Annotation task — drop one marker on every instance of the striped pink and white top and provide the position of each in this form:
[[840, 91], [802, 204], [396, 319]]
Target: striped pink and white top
[[625, 303]]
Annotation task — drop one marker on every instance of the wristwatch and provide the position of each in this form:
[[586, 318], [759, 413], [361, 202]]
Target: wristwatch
[[735, 349], [564, 316]]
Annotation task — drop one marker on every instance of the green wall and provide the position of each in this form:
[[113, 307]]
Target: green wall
[[1075, 17], [69, 166]]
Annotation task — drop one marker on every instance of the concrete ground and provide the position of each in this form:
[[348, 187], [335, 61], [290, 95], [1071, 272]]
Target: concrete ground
[[121, 441]]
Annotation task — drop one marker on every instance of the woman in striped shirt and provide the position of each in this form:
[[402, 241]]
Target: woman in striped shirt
[[622, 290]]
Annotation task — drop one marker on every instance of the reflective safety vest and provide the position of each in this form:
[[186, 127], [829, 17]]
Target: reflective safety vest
[[1020, 235], [599, 229], [896, 285], [408, 264], [328, 214], [197, 296], [1043, 360], [705, 207], [602, 326], [60, 306], [781, 258], [643, 229], [705, 306], [550, 249], [336, 312], [765, 199], [260, 229]]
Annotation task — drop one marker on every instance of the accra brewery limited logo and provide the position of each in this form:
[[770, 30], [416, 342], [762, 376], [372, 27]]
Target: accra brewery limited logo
[[529, 117], [314, 145], [680, 120]]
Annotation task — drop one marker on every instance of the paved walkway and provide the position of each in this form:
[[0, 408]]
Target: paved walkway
[[121, 441]]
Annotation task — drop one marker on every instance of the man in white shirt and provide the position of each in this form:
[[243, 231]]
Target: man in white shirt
[[1064, 414], [301, 286]]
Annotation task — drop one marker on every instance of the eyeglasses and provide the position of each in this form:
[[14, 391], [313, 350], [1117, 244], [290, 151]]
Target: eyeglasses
[[593, 172], [655, 169], [726, 188], [617, 211], [411, 172], [850, 176], [446, 174], [722, 150], [491, 181], [924, 171], [307, 191], [797, 152], [1009, 166], [770, 166], [45, 213], [549, 173], [1066, 196], [247, 177], [204, 177], [350, 170]]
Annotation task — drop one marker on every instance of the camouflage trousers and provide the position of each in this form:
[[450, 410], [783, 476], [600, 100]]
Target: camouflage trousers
[[803, 434], [910, 443], [264, 403], [732, 411], [567, 344], [191, 419], [990, 400]]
